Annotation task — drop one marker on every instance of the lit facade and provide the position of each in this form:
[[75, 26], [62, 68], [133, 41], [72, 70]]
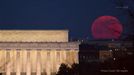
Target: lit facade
[[36, 56], [105, 54]]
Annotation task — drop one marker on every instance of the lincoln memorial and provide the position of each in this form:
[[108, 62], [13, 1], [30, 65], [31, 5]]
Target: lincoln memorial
[[35, 52]]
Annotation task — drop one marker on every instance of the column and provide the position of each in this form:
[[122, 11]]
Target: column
[[38, 63], [77, 56], [48, 69], [58, 60], [54, 61], [8, 63], [18, 63], [65, 56], [48, 66], [28, 66]]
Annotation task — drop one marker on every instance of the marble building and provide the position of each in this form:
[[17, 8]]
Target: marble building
[[35, 52]]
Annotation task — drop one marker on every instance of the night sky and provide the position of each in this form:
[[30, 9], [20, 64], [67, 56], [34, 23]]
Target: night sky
[[75, 15]]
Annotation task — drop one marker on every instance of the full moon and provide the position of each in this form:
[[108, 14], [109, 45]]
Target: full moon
[[106, 27]]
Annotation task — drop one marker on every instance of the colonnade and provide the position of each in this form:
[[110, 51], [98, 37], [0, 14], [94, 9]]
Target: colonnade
[[35, 62]]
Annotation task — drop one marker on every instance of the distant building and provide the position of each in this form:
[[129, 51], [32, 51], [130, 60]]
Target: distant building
[[35, 52], [104, 49]]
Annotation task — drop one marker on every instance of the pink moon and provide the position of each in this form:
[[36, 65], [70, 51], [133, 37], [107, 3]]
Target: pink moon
[[106, 27]]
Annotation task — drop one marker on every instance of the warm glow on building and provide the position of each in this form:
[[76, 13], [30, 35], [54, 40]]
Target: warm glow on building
[[35, 52], [105, 54], [33, 35]]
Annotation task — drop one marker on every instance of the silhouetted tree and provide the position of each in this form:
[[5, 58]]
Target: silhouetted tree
[[75, 69], [66, 70], [79, 69]]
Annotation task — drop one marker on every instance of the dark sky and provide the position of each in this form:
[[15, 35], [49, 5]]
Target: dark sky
[[75, 15]]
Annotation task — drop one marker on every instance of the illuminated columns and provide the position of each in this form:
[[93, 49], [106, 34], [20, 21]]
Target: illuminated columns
[[8, 63], [58, 60], [76, 56], [38, 63], [53, 58], [28, 66], [18, 63], [36, 58], [24, 60], [64, 55], [48, 72], [48, 64], [54, 61]]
